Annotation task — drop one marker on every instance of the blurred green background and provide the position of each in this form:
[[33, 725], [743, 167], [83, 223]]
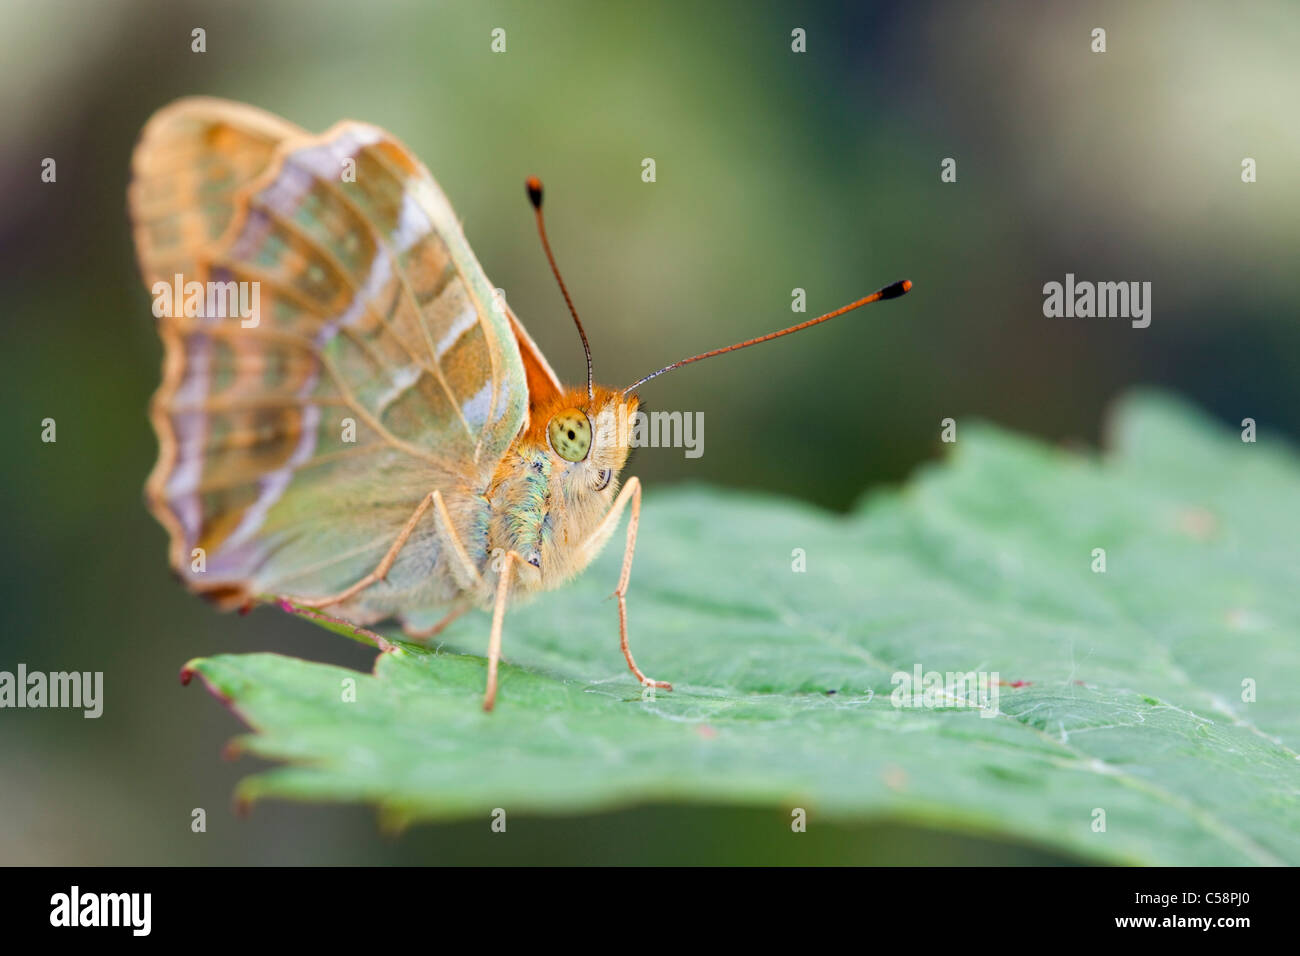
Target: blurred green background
[[775, 170]]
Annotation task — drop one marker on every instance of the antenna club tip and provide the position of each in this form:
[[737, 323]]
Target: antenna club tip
[[534, 187], [901, 287]]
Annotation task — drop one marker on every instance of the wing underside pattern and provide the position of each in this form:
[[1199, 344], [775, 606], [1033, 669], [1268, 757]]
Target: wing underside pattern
[[296, 442]]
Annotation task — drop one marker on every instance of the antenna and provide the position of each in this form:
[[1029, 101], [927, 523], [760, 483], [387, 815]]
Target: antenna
[[888, 292], [534, 186]]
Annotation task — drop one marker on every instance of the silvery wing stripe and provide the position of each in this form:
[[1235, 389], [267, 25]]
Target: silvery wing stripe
[[476, 407], [402, 379], [412, 224], [182, 485], [467, 319]]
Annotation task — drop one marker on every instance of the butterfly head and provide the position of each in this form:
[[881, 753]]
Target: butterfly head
[[587, 438]]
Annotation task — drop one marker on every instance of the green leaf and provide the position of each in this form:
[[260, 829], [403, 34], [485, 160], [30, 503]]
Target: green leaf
[[1123, 690]]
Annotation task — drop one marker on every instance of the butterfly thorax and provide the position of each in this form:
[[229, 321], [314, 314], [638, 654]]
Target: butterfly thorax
[[546, 507]]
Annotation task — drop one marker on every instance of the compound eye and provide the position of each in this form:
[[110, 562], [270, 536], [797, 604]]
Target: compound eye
[[570, 434]]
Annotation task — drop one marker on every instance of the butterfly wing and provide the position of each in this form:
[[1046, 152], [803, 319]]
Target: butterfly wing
[[293, 450]]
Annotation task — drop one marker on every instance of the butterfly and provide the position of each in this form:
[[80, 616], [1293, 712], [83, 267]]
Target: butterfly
[[350, 418]]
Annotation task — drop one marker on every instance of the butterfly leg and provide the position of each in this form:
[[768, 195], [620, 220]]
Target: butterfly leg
[[498, 619], [463, 570], [631, 493], [423, 634], [467, 575]]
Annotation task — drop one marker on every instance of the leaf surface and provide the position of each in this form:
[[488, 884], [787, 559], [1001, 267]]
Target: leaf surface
[[1121, 695]]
